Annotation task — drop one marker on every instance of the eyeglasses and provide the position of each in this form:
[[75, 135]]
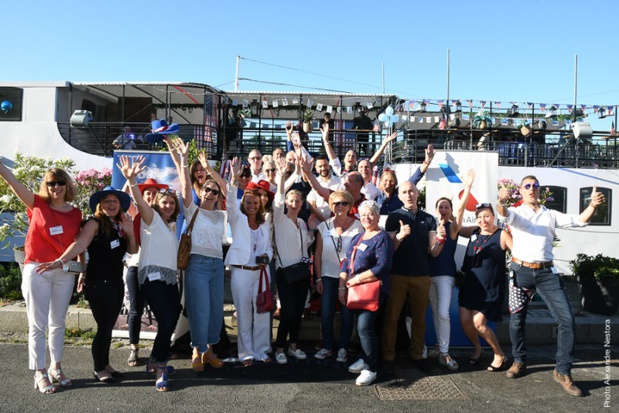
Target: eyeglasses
[[167, 191], [483, 205], [207, 190], [52, 184], [528, 186], [255, 158], [271, 170], [341, 204]]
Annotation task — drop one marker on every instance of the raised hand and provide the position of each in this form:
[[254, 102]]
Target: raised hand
[[235, 165], [430, 153], [469, 178], [503, 193], [204, 161], [391, 137], [441, 232], [129, 170], [405, 231], [127, 224], [597, 198], [307, 166]]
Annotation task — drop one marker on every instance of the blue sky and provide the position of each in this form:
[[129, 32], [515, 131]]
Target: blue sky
[[500, 51]]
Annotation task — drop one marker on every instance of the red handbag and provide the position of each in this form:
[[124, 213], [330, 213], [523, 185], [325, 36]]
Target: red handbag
[[264, 302], [364, 296]]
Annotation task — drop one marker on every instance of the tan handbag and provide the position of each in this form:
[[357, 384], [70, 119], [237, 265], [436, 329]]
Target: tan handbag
[[184, 246]]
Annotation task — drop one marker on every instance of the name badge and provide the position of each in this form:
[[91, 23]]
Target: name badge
[[154, 276], [115, 244], [473, 237], [56, 230], [362, 247]]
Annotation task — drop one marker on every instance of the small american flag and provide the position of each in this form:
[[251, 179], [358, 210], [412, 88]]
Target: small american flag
[[613, 131], [542, 106], [497, 104], [443, 123]]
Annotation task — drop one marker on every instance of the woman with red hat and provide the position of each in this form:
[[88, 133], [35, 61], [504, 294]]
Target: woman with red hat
[[149, 190]]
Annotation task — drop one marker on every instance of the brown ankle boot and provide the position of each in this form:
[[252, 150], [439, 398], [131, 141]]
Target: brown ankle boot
[[516, 370], [566, 381]]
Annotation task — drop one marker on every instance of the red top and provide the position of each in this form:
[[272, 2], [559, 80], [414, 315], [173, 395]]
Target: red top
[[50, 232]]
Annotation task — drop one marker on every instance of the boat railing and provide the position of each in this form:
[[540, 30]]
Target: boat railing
[[550, 150]]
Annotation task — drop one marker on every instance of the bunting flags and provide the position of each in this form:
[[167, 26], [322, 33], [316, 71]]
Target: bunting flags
[[470, 102], [542, 106], [613, 131], [483, 103], [497, 104]]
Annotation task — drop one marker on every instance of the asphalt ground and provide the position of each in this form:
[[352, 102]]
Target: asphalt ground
[[314, 386]]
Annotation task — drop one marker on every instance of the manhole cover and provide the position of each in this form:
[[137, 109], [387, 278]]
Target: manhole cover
[[418, 387]]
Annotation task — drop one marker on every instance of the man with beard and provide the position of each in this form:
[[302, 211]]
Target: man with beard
[[326, 180]]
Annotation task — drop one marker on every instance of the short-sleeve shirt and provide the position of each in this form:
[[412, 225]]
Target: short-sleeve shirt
[[411, 257], [50, 232]]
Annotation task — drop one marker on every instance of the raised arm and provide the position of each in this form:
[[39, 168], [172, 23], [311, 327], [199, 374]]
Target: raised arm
[[22, 192], [213, 173], [468, 184], [313, 181], [131, 171], [382, 147]]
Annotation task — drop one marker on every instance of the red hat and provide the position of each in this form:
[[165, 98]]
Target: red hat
[[262, 184], [150, 182]]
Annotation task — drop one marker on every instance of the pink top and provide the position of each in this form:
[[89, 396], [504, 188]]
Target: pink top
[[50, 231]]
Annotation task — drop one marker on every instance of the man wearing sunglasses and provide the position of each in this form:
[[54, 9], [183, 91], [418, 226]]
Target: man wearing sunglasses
[[533, 228]]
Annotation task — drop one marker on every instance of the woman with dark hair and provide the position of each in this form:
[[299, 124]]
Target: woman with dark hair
[[204, 275], [248, 257], [108, 235], [481, 296], [442, 272], [157, 272], [199, 172], [54, 224]]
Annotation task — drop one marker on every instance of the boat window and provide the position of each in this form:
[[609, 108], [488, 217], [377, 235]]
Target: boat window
[[559, 198], [11, 104], [602, 214]]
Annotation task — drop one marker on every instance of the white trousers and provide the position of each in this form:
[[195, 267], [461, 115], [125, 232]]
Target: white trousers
[[441, 288], [47, 298], [254, 338]]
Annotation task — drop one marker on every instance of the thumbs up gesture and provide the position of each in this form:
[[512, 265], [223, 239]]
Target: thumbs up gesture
[[405, 231], [503, 194], [597, 198], [441, 231]]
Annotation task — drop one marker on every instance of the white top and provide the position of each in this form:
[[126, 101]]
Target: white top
[[335, 184], [330, 264], [287, 239], [207, 235], [255, 178], [257, 246], [533, 233], [370, 191], [159, 248]]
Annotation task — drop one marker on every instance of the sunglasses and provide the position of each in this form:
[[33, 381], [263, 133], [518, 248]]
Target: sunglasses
[[528, 186], [52, 184], [167, 191], [245, 176], [270, 170], [341, 204], [207, 190], [255, 158], [483, 205]]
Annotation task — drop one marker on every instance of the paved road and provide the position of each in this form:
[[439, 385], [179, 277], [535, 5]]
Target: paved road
[[312, 386]]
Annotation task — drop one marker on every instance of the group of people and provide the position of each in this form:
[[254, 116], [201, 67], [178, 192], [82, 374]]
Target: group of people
[[281, 215]]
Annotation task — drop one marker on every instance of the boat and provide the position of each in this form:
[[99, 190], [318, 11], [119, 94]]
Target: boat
[[80, 120]]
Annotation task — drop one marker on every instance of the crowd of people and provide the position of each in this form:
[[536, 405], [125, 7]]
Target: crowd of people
[[299, 222]]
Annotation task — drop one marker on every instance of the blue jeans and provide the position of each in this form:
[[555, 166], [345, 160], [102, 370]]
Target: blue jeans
[[329, 301], [366, 327], [550, 287], [165, 302], [204, 299]]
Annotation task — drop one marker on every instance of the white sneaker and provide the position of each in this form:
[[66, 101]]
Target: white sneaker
[[424, 355], [281, 358], [366, 378], [358, 366], [298, 354], [342, 356], [323, 354]]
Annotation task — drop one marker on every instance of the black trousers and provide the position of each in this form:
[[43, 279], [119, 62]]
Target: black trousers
[[136, 305], [292, 298], [105, 298]]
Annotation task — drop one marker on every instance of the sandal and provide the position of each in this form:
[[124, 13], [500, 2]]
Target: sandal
[[501, 367], [59, 378], [248, 362], [196, 364], [162, 383], [151, 367], [133, 357], [49, 389], [210, 358], [473, 361]]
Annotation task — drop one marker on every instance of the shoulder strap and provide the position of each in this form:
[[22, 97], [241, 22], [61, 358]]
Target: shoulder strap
[[190, 226]]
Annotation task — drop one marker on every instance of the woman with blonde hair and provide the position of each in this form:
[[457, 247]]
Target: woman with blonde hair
[[54, 224]]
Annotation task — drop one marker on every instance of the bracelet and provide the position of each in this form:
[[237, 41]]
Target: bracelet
[[440, 240], [133, 185], [318, 280], [342, 288], [185, 165], [502, 205], [426, 162], [358, 279]]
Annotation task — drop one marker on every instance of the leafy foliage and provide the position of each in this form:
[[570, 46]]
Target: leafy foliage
[[515, 199], [600, 267]]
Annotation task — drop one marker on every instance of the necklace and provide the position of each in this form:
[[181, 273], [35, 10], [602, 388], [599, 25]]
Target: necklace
[[479, 244]]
